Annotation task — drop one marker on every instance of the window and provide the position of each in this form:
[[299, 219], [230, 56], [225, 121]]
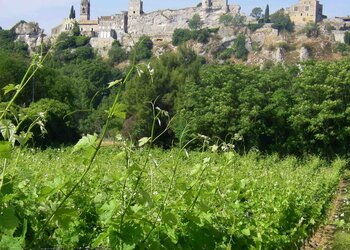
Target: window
[[307, 8], [296, 8]]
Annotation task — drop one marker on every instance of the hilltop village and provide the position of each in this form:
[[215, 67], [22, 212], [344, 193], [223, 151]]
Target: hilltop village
[[128, 26]]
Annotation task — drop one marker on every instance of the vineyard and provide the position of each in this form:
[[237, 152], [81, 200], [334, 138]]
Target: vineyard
[[154, 199]]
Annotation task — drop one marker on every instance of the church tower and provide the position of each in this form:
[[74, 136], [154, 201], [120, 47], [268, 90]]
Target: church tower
[[85, 10]]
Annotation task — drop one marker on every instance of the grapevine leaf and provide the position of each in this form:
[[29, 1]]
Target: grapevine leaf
[[8, 130], [9, 88], [246, 232], [143, 141], [9, 221], [119, 111], [5, 149], [85, 142]]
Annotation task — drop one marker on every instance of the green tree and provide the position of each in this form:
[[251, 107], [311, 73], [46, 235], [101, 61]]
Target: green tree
[[72, 13], [117, 53], [282, 21], [267, 14], [195, 23], [142, 50], [163, 86], [256, 13], [59, 127]]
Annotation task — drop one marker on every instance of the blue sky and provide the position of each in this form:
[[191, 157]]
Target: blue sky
[[50, 13]]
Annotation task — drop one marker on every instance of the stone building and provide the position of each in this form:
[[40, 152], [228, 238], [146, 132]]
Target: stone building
[[130, 25], [306, 11]]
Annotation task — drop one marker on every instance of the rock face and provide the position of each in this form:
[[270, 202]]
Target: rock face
[[279, 56], [304, 54], [30, 33]]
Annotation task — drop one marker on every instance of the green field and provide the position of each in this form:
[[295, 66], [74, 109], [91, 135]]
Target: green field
[[154, 199]]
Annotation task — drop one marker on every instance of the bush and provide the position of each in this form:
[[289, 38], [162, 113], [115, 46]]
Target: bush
[[181, 36], [240, 51], [311, 30], [254, 26]]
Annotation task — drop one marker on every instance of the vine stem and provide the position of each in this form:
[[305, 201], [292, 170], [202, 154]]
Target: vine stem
[[97, 149]]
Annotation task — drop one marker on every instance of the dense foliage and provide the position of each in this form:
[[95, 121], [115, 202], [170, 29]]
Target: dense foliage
[[165, 200], [281, 21], [180, 36]]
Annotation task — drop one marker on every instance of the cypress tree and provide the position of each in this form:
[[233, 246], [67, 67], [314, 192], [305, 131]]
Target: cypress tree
[[267, 14], [72, 13]]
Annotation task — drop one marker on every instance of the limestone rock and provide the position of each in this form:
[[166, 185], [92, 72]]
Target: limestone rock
[[304, 54], [30, 33], [279, 56]]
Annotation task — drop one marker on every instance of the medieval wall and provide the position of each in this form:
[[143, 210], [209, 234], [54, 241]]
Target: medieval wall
[[163, 23]]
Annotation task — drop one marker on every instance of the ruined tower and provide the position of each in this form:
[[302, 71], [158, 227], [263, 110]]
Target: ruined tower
[[135, 7], [215, 4], [85, 10], [206, 4]]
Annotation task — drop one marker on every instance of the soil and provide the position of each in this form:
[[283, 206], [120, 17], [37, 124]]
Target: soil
[[323, 237]]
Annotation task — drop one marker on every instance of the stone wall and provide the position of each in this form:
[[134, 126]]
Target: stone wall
[[163, 23]]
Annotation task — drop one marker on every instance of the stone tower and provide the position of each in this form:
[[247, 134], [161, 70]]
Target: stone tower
[[306, 11], [85, 10], [206, 4], [135, 7], [215, 4]]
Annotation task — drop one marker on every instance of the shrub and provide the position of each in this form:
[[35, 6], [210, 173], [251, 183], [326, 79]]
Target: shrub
[[181, 36], [311, 30], [329, 27], [240, 51], [195, 22], [226, 19], [254, 26], [84, 53]]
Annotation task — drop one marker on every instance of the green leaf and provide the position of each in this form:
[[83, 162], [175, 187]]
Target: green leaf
[[112, 84], [5, 149], [8, 130], [9, 221], [246, 232], [143, 141], [119, 111], [85, 142], [10, 243], [11, 87]]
